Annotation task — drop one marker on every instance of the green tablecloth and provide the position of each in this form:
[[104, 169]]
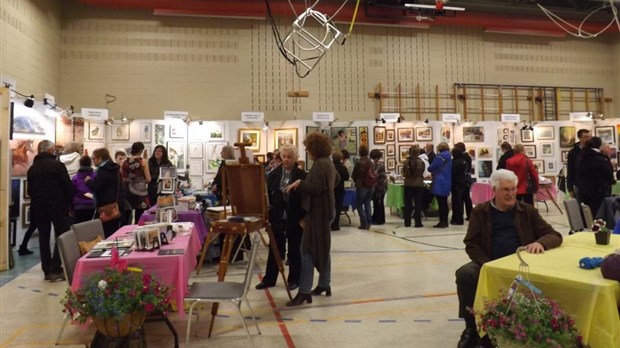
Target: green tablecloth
[[395, 196], [615, 189]]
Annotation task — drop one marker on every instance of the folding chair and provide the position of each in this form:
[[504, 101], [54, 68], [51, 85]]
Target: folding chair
[[88, 230], [234, 292], [587, 216], [69, 254], [573, 213]]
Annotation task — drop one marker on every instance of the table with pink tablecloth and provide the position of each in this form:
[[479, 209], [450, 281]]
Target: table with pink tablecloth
[[548, 192], [481, 192], [173, 270], [183, 216]]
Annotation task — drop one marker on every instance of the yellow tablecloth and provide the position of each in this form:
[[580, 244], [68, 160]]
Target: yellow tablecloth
[[591, 299]]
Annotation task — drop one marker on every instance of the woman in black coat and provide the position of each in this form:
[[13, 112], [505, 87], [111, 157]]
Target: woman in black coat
[[285, 212], [339, 189], [105, 186], [459, 186], [594, 176]]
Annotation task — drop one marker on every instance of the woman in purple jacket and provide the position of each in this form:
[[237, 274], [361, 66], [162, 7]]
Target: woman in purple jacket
[[83, 201]]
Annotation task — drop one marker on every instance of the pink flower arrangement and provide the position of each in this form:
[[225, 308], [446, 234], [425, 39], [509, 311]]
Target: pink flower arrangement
[[599, 226], [528, 320]]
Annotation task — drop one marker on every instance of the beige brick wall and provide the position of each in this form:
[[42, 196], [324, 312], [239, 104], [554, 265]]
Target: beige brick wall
[[216, 68], [30, 45]]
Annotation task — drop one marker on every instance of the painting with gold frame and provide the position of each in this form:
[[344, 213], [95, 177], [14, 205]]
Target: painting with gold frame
[[247, 135], [284, 136]]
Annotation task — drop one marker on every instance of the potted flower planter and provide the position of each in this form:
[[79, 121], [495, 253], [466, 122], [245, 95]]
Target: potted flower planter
[[602, 237], [122, 327]]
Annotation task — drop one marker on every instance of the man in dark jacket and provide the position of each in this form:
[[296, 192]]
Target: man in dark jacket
[[594, 175], [106, 186], [285, 213], [507, 150], [429, 152], [51, 194], [573, 162], [496, 229], [339, 189]]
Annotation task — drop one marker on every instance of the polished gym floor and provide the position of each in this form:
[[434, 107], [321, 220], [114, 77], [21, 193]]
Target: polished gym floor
[[392, 286]]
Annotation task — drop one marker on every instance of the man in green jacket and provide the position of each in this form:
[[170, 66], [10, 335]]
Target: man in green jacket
[[496, 229]]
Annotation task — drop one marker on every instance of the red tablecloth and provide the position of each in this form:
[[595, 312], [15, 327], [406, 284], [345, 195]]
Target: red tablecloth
[[481, 192], [173, 270]]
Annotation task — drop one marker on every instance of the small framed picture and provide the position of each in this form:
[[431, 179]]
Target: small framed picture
[[403, 151], [259, 158], [546, 149], [120, 131], [565, 156], [167, 186], [567, 137], [195, 167], [529, 151], [390, 150], [551, 166], [405, 135], [390, 135], [390, 163], [25, 194], [379, 137], [539, 165], [545, 133], [399, 169], [285, 136], [176, 130], [145, 132], [250, 136], [95, 131], [485, 169], [473, 134], [25, 215], [527, 136], [484, 152], [160, 134], [606, 134], [424, 134], [195, 150], [167, 173]]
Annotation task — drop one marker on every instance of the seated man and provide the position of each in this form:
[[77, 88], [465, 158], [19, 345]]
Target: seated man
[[496, 229]]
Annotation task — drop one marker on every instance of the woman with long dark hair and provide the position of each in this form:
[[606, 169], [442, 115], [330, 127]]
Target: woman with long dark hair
[[158, 159]]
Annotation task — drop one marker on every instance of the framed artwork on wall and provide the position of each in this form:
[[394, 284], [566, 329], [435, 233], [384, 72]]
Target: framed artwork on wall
[[25, 215], [177, 154], [145, 132], [546, 150], [539, 165], [403, 151], [529, 151], [213, 151], [95, 131], [390, 150], [247, 135], [527, 136], [424, 134], [363, 136], [26, 195], [195, 150], [216, 131], [405, 135], [446, 134], [120, 131], [545, 133], [259, 158], [160, 134], [399, 169], [390, 135], [29, 120], [390, 163], [195, 167], [177, 130], [551, 166], [64, 131], [484, 152], [285, 136], [473, 134], [565, 156], [567, 137], [344, 138], [606, 134], [379, 136], [485, 169]]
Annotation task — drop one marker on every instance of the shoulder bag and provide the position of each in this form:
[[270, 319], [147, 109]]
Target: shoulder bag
[[532, 185], [111, 211]]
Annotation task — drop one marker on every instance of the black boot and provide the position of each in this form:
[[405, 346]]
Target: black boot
[[24, 251], [469, 338], [319, 290], [300, 299]]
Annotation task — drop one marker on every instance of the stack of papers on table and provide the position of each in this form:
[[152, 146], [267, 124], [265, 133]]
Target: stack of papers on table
[[108, 244]]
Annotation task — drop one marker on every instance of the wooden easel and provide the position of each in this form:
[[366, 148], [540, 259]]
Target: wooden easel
[[244, 187]]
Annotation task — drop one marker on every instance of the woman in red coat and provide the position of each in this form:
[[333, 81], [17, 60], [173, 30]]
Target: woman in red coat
[[521, 165]]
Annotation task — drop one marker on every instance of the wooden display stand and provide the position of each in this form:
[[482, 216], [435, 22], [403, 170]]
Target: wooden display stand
[[244, 188]]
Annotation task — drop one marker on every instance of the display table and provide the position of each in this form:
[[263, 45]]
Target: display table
[[183, 216], [481, 192], [615, 189], [395, 197], [585, 294], [172, 270], [350, 198], [548, 192]]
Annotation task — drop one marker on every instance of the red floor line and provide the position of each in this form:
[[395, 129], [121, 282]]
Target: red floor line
[[281, 324]]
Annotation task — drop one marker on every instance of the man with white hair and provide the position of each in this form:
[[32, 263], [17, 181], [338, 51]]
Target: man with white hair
[[496, 229]]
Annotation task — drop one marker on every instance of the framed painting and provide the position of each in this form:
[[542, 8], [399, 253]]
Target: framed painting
[[216, 131], [390, 135], [484, 152], [29, 120], [213, 159], [160, 134], [505, 135], [529, 151], [399, 169], [26, 195], [403, 152], [390, 150], [95, 131], [485, 169], [259, 158], [64, 131], [23, 152], [195, 150], [78, 130], [539, 165], [363, 136], [546, 150], [527, 136], [551, 167], [25, 215], [545, 133], [344, 138], [405, 135], [379, 135], [252, 136], [473, 134], [567, 137], [285, 136], [446, 134], [177, 130], [145, 132], [120, 131], [310, 129], [565, 156], [390, 163], [195, 167], [424, 134], [606, 134], [177, 154]]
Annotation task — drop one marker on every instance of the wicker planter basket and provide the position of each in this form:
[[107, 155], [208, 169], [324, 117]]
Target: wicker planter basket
[[122, 327]]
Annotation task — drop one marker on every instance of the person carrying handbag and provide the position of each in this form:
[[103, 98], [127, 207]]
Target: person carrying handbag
[[106, 187], [523, 167]]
